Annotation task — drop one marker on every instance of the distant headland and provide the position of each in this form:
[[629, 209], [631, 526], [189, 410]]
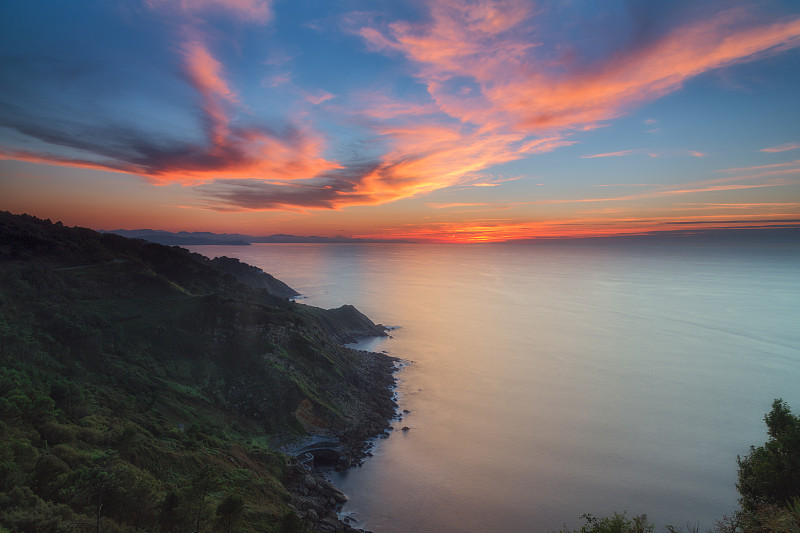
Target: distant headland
[[186, 238]]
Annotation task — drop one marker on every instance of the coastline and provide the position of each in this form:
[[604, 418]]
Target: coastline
[[370, 411]]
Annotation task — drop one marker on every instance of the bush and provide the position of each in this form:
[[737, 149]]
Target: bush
[[619, 523], [770, 475]]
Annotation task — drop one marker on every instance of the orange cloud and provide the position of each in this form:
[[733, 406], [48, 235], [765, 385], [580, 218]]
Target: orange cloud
[[459, 204], [639, 75], [230, 152], [426, 156], [495, 94], [478, 61], [238, 152], [205, 73], [514, 87]]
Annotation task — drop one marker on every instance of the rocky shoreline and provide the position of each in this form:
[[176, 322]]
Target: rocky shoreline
[[370, 412]]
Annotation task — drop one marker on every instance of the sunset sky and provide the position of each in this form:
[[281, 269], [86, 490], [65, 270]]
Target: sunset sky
[[433, 120]]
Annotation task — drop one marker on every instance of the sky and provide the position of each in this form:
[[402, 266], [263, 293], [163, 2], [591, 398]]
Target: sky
[[432, 120]]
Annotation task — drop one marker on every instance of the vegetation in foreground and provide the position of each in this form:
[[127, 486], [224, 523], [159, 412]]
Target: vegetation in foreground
[[769, 487], [140, 385]]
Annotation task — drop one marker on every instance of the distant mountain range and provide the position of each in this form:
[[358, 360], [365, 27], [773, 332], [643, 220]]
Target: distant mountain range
[[786, 231], [186, 238]]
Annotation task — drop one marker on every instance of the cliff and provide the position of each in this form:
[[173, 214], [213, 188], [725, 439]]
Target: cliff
[[141, 386]]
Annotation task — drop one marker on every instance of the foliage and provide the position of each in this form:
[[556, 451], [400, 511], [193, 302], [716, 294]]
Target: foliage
[[230, 511], [139, 385], [769, 487], [618, 523], [770, 474]]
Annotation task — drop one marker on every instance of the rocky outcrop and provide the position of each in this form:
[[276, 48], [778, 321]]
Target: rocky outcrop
[[345, 324], [368, 414], [316, 500]]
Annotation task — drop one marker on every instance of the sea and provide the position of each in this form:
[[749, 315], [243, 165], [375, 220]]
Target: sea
[[542, 382]]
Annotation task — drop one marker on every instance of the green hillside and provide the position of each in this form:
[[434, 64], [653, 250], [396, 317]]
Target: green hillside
[[142, 385]]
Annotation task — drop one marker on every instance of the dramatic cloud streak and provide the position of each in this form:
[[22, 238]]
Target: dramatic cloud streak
[[511, 82], [246, 116], [479, 63]]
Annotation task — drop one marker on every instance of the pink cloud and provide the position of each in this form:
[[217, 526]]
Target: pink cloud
[[319, 97], [249, 10], [516, 100], [612, 154], [495, 94], [782, 148], [516, 88], [759, 167]]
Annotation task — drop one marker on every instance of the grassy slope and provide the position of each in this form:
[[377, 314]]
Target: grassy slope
[[146, 379]]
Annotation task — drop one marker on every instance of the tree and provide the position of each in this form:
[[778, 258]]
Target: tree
[[202, 483], [770, 474], [230, 510]]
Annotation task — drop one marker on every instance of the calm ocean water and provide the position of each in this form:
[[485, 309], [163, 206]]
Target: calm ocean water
[[549, 381]]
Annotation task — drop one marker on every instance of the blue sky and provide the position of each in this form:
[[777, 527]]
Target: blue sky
[[436, 120]]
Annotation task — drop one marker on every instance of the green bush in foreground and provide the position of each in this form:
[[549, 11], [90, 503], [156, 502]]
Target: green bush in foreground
[[770, 475], [769, 488]]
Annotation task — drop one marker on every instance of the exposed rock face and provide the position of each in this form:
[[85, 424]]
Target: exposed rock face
[[368, 415], [305, 415], [371, 416]]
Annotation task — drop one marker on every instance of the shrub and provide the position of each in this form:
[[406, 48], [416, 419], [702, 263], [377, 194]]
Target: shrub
[[619, 523], [770, 474]]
